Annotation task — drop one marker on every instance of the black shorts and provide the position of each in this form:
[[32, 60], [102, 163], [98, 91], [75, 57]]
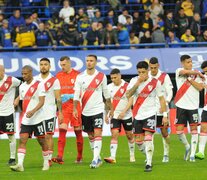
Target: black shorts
[[148, 124], [37, 129], [183, 116], [116, 124], [204, 117], [50, 125], [89, 123], [7, 124], [159, 122]]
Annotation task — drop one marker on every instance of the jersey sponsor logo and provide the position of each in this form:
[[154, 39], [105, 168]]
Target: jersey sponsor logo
[[72, 81], [97, 81], [150, 87]]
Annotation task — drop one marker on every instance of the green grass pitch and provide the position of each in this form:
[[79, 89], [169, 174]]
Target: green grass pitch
[[177, 168]]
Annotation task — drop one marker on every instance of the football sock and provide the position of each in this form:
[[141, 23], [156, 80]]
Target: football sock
[[12, 146], [166, 145], [149, 149], [79, 142], [131, 147], [50, 154], [45, 158], [183, 139], [21, 154], [202, 142], [97, 147], [61, 142], [194, 142], [113, 148]]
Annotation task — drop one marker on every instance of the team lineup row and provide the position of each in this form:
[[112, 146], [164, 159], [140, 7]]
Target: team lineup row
[[79, 100]]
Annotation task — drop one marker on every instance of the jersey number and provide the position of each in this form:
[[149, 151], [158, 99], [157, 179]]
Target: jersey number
[[151, 123], [98, 122], [10, 126]]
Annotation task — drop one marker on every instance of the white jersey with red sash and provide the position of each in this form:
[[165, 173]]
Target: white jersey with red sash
[[119, 99], [51, 84], [166, 87], [205, 95], [146, 94], [91, 88], [188, 96], [7, 94], [30, 94]]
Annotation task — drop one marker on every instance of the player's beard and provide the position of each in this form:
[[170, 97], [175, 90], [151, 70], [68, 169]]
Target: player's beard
[[44, 72]]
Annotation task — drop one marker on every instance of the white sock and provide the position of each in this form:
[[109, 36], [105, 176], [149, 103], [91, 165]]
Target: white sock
[[21, 154], [12, 146], [194, 142], [45, 158], [149, 152], [166, 145], [97, 148], [183, 139], [50, 154], [131, 148], [91, 142], [202, 142], [113, 148], [141, 146]]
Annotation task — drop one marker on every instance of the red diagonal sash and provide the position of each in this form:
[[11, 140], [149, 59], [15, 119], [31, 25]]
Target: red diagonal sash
[[119, 94], [143, 95], [30, 92], [182, 90], [49, 83], [5, 87], [91, 88], [162, 78]]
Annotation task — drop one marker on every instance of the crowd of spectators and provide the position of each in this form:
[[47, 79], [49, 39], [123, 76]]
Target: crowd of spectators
[[147, 21]]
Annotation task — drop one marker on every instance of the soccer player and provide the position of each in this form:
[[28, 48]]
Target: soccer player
[[90, 85], [122, 115], [52, 88], [167, 86], [189, 83], [32, 93], [67, 78], [203, 130], [8, 87], [145, 90]]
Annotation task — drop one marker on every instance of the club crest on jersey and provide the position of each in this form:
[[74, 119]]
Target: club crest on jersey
[[31, 89], [97, 81], [122, 90], [6, 85], [150, 87], [48, 84], [72, 81]]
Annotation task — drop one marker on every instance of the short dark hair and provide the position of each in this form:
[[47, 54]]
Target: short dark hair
[[204, 64], [184, 57], [92, 55], [45, 59], [115, 71], [27, 67], [153, 60], [64, 58], [142, 64]]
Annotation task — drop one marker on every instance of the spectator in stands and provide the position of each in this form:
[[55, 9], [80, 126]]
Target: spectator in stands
[[187, 36], [16, 20], [93, 36], [203, 37], [97, 16], [146, 4], [122, 17], [83, 25], [30, 24], [44, 37], [181, 22], [128, 24], [195, 25], [158, 36], [66, 11], [80, 15], [55, 22], [146, 23], [133, 39], [70, 36], [136, 26], [1, 19], [35, 19], [172, 39], [111, 18], [188, 8], [197, 5], [169, 23], [25, 37], [146, 38], [53, 32], [115, 4], [109, 36], [159, 22], [100, 27], [5, 35], [123, 34], [156, 8]]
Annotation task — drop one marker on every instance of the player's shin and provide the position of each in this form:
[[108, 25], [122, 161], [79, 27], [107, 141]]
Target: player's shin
[[113, 148], [21, 154], [149, 148], [202, 142], [194, 142], [12, 145], [97, 148]]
